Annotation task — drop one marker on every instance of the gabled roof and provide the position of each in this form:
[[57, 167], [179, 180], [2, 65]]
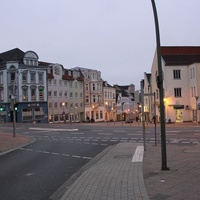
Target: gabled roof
[[12, 55], [180, 55]]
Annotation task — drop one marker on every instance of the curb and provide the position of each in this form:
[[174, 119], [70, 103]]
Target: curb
[[23, 145]]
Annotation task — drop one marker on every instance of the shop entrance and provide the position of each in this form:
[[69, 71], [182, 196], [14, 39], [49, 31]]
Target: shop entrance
[[179, 116]]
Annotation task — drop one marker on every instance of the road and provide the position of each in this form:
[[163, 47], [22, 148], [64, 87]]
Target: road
[[38, 171]]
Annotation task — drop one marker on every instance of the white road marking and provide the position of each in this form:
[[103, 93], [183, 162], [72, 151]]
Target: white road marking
[[52, 129], [58, 154], [138, 155]]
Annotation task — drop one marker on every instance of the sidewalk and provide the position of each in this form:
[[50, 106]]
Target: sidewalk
[[9, 143], [183, 178], [114, 176]]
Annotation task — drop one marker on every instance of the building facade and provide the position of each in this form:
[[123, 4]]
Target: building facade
[[181, 70], [65, 94], [23, 79], [109, 98], [93, 95]]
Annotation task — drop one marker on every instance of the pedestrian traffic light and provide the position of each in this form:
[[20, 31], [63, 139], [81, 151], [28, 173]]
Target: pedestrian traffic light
[[2, 108], [16, 105]]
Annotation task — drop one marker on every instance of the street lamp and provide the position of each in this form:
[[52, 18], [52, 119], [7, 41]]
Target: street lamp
[[122, 112], [63, 104], [161, 91], [12, 102]]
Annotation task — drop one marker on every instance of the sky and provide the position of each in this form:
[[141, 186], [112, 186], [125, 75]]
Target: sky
[[116, 37]]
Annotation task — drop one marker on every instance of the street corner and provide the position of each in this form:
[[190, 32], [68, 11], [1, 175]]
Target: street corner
[[9, 143]]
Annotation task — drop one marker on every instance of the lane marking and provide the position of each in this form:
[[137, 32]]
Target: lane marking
[[52, 129], [57, 154], [138, 155]]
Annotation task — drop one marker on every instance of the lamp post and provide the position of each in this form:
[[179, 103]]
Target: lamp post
[[197, 97], [122, 112], [161, 91], [63, 104]]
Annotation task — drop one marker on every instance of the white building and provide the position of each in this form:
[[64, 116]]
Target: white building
[[181, 72], [126, 107], [23, 78], [65, 94], [109, 96], [93, 90]]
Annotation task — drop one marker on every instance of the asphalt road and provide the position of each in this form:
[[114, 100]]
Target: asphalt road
[[37, 171]]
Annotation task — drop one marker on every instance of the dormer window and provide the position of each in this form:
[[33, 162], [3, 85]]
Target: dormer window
[[30, 58]]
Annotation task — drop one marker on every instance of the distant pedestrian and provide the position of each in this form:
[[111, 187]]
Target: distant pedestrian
[[137, 120]]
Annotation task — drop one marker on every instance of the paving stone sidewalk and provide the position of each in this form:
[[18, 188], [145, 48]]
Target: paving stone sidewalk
[[9, 143], [181, 182], [113, 177]]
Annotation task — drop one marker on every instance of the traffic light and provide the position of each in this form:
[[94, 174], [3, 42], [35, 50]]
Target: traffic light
[[2, 108], [16, 105]]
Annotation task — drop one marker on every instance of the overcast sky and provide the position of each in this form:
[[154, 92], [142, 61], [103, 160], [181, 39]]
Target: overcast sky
[[116, 37]]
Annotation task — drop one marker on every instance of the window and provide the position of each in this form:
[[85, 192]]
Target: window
[[71, 95], [177, 74], [76, 95], [65, 83], [49, 81], [33, 97], [87, 99], [60, 93], [33, 77], [81, 95], [55, 93], [70, 84], [101, 114], [27, 114], [93, 86], [80, 85], [75, 84], [24, 77], [60, 83], [97, 115], [25, 94], [12, 76], [65, 93], [55, 82], [40, 75], [55, 105], [94, 98], [50, 104], [177, 92], [1, 95], [49, 93], [39, 113], [193, 72], [86, 87]]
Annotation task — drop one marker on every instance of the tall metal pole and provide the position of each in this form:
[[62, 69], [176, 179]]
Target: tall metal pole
[[155, 118], [160, 86], [13, 107], [143, 117]]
